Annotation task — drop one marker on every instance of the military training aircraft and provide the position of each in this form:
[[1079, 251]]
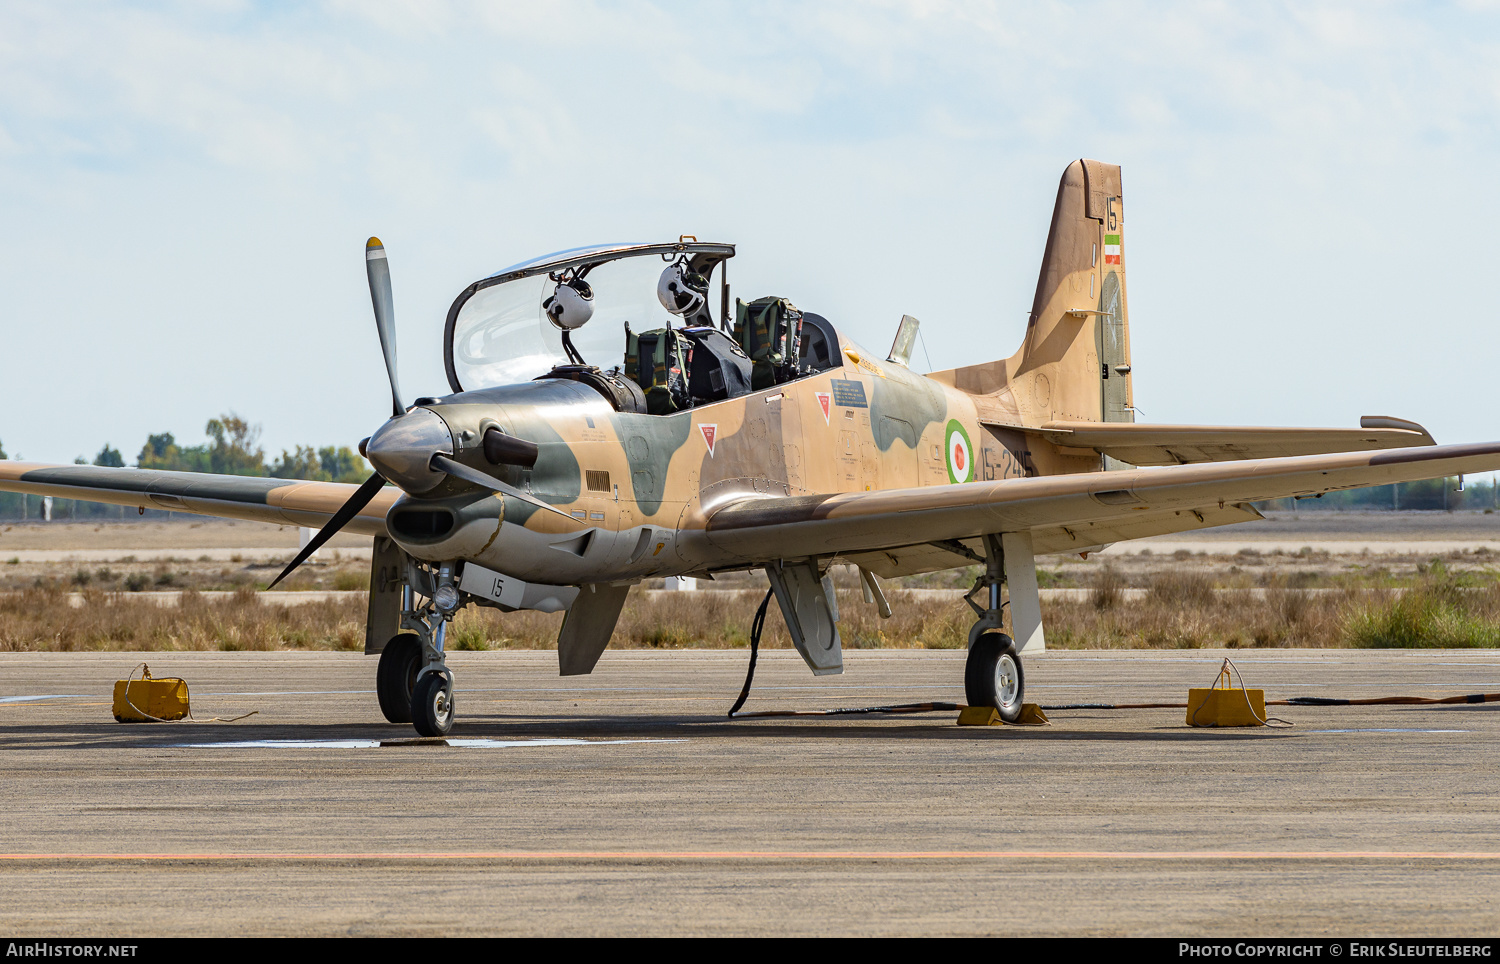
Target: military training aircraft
[[611, 420]]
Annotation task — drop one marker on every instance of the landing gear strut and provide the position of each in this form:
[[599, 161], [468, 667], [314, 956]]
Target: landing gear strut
[[993, 675], [413, 682]]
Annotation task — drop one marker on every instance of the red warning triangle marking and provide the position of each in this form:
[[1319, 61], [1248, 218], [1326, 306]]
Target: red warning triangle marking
[[824, 400], [709, 432]]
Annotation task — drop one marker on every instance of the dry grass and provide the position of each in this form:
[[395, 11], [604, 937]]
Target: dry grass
[[1192, 615], [1182, 608], [41, 619], [1440, 612]]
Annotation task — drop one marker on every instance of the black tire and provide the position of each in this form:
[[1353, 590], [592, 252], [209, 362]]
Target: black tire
[[396, 677], [432, 705], [993, 676]]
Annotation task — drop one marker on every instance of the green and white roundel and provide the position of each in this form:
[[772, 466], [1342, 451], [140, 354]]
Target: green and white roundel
[[959, 453]]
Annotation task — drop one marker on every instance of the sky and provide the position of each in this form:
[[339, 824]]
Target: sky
[[186, 189]]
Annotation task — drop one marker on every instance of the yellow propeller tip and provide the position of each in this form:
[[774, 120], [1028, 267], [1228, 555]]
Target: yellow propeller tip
[[374, 243]]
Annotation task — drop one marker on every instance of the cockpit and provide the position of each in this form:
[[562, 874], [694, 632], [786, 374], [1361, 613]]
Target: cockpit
[[649, 326]]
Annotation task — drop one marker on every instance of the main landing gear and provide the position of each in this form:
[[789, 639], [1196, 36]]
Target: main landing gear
[[993, 675], [413, 682]]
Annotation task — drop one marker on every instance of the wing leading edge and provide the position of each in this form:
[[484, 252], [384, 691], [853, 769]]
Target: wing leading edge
[[278, 501], [1071, 513]]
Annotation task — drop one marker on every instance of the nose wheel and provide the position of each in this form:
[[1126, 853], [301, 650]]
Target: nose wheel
[[432, 705], [396, 677], [993, 676]]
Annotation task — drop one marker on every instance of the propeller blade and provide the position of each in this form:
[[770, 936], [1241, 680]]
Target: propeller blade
[[379, 271], [361, 498], [487, 481]]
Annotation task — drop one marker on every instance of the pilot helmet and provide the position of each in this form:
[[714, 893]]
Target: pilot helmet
[[571, 304], [682, 291]]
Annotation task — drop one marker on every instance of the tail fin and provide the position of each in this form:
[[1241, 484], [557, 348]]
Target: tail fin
[[1074, 363]]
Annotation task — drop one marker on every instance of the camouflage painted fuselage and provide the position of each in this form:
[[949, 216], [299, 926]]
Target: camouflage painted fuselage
[[640, 487]]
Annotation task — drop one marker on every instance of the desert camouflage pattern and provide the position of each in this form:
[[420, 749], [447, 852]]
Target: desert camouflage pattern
[[865, 462]]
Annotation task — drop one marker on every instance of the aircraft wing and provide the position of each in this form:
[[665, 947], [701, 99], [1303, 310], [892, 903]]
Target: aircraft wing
[[899, 531], [279, 501], [1147, 444]]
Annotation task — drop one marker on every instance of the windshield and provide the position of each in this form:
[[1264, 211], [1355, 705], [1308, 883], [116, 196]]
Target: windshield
[[500, 334]]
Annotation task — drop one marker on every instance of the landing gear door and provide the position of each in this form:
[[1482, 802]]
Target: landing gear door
[[387, 578], [811, 612]]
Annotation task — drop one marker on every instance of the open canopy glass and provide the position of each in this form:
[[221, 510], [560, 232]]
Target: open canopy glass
[[499, 334]]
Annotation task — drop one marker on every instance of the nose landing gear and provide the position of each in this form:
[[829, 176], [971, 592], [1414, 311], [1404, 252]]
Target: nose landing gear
[[413, 683]]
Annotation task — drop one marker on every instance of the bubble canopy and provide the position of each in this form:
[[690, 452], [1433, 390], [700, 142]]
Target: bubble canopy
[[498, 333]]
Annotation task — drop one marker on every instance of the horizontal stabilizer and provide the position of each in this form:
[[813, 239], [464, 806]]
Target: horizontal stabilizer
[[1145, 444]]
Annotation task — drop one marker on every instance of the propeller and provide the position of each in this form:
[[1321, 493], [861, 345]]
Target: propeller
[[414, 446], [379, 271]]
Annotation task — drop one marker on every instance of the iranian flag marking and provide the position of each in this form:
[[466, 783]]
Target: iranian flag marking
[[825, 400], [710, 431], [1111, 249]]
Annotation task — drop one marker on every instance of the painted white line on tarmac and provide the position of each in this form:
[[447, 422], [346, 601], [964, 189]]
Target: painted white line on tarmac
[[1387, 729], [463, 743]]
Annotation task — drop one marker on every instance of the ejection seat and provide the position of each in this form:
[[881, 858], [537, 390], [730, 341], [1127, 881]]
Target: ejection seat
[[783, 342], [677, 368], [656, 360]]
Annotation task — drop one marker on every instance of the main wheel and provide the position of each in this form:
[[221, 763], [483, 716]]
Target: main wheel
[[396, 677], [432, 705], [993, 676]]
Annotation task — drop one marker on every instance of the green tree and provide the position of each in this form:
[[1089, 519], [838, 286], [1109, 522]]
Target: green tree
[[109, 457], [300, 463], [2, 453], [331, 463], [159, 452], [162, 452], [232, 450], [343, 464]]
